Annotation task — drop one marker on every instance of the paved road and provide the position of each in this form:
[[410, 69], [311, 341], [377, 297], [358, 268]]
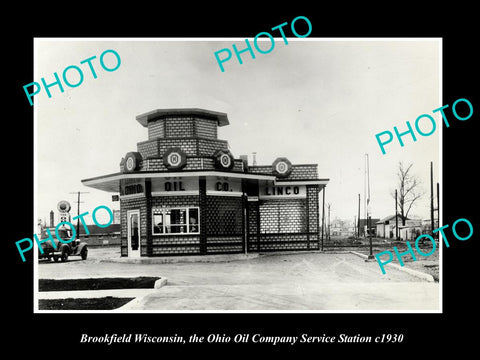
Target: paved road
[[301, 281]]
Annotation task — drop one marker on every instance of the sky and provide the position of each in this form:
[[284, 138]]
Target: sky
[[314, 101]]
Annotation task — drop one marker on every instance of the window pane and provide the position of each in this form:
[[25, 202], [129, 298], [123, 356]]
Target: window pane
[[134, 231], [177, 229], [158, 223], [193, 220], [178, 217]]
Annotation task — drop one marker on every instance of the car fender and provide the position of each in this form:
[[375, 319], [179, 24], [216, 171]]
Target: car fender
[[80, 247], [65, 246]]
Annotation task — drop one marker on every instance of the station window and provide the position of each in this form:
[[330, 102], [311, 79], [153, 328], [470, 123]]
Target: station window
[[175, 221]]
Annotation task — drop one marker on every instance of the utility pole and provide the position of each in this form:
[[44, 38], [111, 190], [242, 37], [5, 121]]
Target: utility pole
[[370, 255], [432, 219], [78, 210], [396, 217], [438, 205], [355, 225], [358, 227], [323, 214], [328, 234]]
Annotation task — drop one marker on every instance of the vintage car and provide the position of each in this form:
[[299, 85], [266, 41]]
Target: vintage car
[[62, 250]]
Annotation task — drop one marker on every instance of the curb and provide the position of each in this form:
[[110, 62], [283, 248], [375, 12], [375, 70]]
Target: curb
[[160, 283], [120, 292], [182, 259], [415, 273]]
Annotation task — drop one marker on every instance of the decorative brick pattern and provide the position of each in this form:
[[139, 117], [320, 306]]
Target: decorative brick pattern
[[193, 163], [176, 240], [156, 129], [208, 147], [224, 249], [278, 242], [178, 244], [181, 126], [282, 216], [312, 203], [174, 201], [178, 250], [148, 148], [206, 128], [224, 215], [189, 146], [299, 172]]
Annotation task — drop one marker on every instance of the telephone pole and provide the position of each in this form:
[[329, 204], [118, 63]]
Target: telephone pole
[[328, 234], [396, 217], [78, 209], [432, 219], [358, 227]]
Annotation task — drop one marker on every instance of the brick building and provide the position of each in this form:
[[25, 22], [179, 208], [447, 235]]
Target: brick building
[[182, 192]]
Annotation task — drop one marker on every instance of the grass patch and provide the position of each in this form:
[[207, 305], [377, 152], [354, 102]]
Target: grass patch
[[105, 303], [142, 282]]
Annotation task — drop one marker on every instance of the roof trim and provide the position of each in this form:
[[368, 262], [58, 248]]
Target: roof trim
[[110, 182], [144, 118]]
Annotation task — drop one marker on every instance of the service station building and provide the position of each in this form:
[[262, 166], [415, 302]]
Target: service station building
[[182, 192]]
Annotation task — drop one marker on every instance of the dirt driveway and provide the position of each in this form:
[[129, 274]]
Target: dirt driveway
[[300, 281]]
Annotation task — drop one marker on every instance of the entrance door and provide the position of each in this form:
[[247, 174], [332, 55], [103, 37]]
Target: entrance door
[[133, 233]]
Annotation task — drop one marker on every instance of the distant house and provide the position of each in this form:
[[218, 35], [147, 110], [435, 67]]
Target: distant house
[[427, 225], [386, 226], [410, 231], [98, 236]]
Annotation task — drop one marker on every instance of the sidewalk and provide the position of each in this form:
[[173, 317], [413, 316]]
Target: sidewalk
[[89, 294]]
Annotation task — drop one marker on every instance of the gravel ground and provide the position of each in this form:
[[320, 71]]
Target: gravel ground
[[427, 264], [289, 281]]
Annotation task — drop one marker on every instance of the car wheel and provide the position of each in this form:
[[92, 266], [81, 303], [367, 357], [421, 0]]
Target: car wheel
[[84, 253], [64, 255]]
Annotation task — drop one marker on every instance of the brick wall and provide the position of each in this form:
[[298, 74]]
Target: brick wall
[[299, 172], [148, 148], [181, 126], [284, 224], [189, 146], [313, 211], [224, 215], [208, 147], [178, 244], [156, 129], [282, 216], [279, 242], [193, 163], [206, 128]]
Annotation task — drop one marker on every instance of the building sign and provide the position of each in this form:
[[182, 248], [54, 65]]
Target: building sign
[[132, 188], [267, 191], [224, 186], [174, 186]]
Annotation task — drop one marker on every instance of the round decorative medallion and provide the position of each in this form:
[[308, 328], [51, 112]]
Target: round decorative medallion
[[281, 167], [223, 159], [174, 158], [132, 161]]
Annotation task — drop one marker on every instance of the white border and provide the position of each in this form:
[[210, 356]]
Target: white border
[[307, 39]]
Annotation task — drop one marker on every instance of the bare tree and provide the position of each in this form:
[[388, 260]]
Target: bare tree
[[409, 190]]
